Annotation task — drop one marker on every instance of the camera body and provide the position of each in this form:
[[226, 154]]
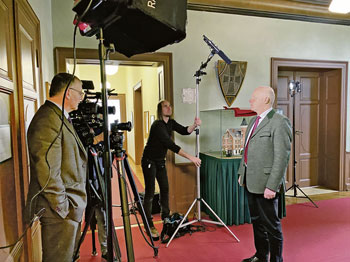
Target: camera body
[[117, 135], [88, 119]]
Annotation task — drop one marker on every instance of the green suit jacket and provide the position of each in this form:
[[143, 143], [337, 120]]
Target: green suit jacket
[[268, 154], [59, 169]]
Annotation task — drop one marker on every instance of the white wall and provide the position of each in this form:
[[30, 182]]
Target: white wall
[[62, 21], [148, 77], [243, 38], [251, 39], [43, 11]]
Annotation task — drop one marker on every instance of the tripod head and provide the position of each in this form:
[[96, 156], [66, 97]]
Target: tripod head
[[117, 137], [294, 87]]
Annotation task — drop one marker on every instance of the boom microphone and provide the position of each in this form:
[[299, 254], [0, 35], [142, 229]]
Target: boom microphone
[[217, 50]]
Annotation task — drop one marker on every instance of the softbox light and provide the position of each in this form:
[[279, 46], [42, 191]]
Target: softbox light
[[135, 26]]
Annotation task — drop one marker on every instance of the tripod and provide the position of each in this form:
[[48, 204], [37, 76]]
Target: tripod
[[96, 200], [294, 87], [197, 200], [123, 168], [107, 192]]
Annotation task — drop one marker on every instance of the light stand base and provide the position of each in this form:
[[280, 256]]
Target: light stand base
[[182, 224], [295, 187], [296, 88]]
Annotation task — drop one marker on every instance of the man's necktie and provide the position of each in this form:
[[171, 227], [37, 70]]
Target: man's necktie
[[251, 133], [70, 120]]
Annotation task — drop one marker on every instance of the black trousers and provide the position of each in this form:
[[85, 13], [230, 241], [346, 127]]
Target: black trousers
[[153, 170], [268, 237]]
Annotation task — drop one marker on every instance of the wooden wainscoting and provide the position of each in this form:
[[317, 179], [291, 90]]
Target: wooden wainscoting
[[183, 187]]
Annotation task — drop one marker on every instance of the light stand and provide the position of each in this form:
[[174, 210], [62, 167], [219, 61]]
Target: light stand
[[111, 234], [197, 200], [107, 149], [295, 87]]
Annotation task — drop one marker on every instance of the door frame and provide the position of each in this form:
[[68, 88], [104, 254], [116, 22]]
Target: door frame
[[138, 123], [91, 55], [322, 64]]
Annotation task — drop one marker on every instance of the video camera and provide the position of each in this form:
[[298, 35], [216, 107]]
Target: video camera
[[116, 136], [88, 118]]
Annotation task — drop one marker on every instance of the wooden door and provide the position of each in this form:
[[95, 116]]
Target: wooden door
[[330, 130], [30, 90], [307, 119], [29, 61], [10, 198], [307, 138]]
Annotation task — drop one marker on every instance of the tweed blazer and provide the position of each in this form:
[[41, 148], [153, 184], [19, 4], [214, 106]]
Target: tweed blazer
[[59, 168], [268, 154]]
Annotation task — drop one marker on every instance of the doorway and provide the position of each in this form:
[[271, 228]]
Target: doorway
[[130, 72], [118, 102], [319, 110]]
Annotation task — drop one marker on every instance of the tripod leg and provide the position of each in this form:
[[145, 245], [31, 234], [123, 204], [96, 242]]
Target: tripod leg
[[218, 218], [94, 251], [138, 201], [87, 223], [180, 225], [116, 245], [307, 196], [295, 187], [125, 211]]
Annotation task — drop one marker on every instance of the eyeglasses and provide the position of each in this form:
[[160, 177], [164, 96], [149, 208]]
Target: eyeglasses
[[82, 93]]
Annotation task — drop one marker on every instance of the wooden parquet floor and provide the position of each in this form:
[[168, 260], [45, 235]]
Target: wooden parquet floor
[[316, 194]]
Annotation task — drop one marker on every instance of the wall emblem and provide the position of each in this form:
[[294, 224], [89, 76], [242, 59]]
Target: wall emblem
[[231, 78]]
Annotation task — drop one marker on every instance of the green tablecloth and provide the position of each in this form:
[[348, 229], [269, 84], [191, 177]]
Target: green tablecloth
[[221, 191]]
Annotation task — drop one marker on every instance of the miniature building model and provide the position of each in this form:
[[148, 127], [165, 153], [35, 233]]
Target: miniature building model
[[233, 140]]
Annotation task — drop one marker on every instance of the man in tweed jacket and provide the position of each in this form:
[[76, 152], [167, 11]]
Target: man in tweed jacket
[[58, 171]]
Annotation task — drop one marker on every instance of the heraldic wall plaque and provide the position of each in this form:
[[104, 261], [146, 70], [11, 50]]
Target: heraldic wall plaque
[[231, 78]]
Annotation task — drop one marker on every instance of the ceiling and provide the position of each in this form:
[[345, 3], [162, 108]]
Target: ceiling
[[302, 10]]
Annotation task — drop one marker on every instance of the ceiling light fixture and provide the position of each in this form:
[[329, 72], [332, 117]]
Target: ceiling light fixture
[[340, 6], [111, 69]]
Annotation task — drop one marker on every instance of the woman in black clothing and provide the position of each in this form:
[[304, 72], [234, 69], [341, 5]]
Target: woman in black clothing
[[153, 159]]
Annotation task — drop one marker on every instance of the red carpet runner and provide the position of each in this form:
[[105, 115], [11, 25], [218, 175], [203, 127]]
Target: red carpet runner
[[311, 235]]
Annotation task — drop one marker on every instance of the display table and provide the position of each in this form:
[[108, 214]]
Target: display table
[[220, 189]]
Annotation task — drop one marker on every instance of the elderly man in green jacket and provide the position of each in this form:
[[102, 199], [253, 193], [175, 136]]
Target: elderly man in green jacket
[[262, 172]]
